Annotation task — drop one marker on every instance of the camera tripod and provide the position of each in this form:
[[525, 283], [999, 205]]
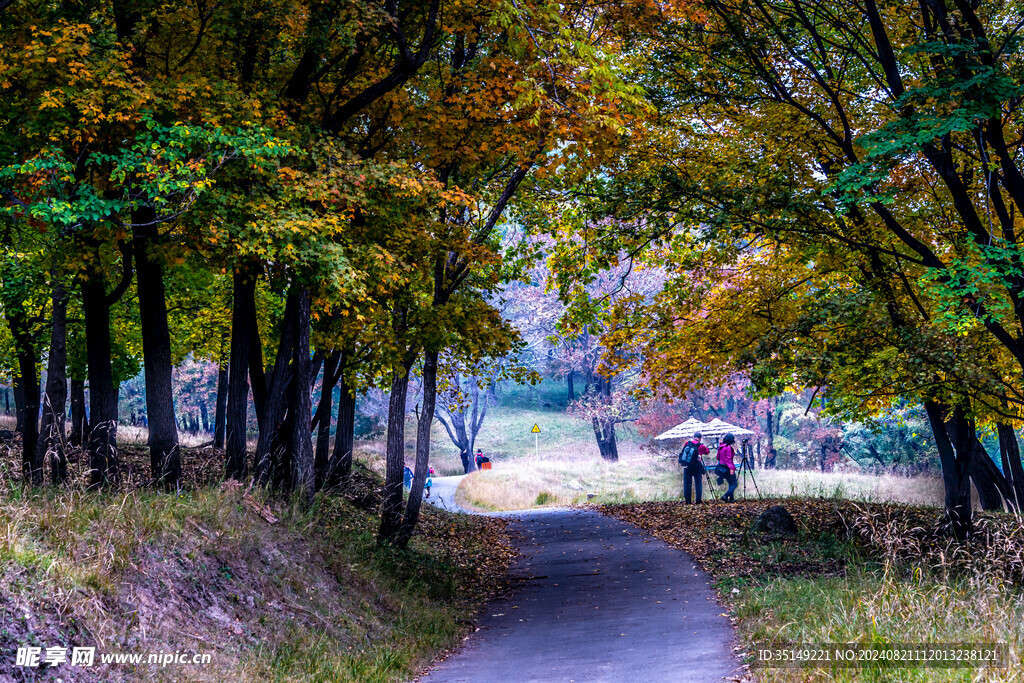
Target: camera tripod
[[748, 464]]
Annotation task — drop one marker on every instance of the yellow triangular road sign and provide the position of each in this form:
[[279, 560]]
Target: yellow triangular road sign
[[535, 430]]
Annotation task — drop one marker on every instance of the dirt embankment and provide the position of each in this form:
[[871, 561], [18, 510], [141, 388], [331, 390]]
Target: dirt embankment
[[263, 587]]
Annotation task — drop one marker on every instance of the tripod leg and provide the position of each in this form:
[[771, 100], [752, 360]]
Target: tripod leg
[[752, 479], [711, 487]]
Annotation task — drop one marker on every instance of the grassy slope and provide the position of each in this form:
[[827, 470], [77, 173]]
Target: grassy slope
[[306, 597]]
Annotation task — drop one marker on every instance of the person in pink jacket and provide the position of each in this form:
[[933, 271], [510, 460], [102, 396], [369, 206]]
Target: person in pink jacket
[[726, 468]]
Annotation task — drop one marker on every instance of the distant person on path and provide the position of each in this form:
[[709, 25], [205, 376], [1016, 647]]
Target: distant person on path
[[481, 458], [693, 466], [429, 482], [726, 468]]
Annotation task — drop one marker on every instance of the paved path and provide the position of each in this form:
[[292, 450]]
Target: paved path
[[595, 599], [442, 493]]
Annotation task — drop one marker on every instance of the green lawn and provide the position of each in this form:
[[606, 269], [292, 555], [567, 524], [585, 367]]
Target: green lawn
[[506, 437]]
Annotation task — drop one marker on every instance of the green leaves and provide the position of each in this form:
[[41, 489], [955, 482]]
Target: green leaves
[[165, 166]]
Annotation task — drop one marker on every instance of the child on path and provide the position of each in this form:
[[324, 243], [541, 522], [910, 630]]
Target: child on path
[[430, 482]]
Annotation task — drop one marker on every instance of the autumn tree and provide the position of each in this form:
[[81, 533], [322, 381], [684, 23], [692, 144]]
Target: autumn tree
[[783, 124]]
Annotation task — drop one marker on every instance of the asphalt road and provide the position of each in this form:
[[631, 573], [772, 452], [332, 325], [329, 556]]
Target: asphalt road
[[595, 599]]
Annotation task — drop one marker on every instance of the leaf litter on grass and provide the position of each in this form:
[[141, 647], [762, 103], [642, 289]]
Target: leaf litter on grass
[[718, 535], [873, 573]]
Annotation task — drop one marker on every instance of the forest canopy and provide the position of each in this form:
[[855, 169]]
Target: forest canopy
[[706, 203]]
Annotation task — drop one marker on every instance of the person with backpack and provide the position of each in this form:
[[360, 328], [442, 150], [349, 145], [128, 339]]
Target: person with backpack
[[726, 468], [693, 467], [481, 458]]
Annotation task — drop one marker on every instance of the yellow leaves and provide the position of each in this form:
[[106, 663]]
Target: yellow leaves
[[48, 101]]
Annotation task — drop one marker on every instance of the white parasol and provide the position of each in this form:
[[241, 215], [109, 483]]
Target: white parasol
[[716, 429], [683, 430]]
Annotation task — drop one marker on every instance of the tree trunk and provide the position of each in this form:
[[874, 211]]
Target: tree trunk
[[238, 380], [604, 427], [569, 381], [1009, 449], [28, 383], [18, 389], [281, 474], [989, 482], [52, 432], [314, 370], [276, 401], [79, 420], [323, 410], [344, 434], [302, 479], [460, 434], [102, 446], [220, 413], [604, 430], [476, 417], [421, 470], [391, 506], [257, 378], [954, 472], [164, 455]]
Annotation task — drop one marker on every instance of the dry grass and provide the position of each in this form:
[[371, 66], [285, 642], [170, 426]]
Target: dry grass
[[925, 588], [884, 608], [307, 596], [571, 477], [525, 483], [871, 573], [919, 490], [569, 470], [129, 435]]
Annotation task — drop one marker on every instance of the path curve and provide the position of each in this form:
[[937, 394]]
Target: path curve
[[596, 599], [442, 493]]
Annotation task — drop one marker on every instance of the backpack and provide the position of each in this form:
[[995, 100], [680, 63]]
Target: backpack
[[688, 456]]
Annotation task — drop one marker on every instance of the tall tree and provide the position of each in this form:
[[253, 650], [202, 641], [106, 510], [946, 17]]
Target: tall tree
[[52, 440], [165, 457]]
